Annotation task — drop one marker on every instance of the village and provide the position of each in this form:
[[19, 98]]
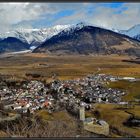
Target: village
[[35, 95], [76, 96]]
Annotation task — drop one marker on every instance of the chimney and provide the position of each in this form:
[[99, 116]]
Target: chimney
[[82, 113]]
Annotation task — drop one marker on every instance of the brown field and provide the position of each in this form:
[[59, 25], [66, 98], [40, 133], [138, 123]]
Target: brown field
[[132, 89], [115, 117], [66, 67]]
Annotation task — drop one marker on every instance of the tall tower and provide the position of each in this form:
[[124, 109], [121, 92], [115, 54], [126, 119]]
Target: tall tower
[[82, 113]]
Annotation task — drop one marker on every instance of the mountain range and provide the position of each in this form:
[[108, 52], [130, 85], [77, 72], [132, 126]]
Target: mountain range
[[86, 39], [79, 38], [34, 37]]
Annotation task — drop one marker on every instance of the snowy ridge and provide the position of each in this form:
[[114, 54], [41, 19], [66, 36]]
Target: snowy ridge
[[132, 32], [79, 26], [34, 35]]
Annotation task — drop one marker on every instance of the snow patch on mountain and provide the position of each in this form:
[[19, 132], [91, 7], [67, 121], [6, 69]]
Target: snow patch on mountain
[[79, 26]]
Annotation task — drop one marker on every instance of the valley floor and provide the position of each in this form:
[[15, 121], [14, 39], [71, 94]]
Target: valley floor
[[67, 66], [24, 66]]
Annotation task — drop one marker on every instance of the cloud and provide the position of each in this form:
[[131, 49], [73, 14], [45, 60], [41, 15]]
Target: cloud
[[14, 13], [26, 15], [122, 17]]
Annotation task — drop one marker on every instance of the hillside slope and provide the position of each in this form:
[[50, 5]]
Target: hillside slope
[[12, 44], [88, 40]]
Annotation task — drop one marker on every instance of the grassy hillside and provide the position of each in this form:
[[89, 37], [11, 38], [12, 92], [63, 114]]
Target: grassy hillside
[[132, 89]]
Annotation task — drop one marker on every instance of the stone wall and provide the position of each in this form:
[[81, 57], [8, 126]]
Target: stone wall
[[97, 128]]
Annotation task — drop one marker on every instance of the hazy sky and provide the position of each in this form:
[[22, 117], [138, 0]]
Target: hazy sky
[[39, 15]]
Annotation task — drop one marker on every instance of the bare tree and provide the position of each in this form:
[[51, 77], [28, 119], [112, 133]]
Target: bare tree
[[38, 128]]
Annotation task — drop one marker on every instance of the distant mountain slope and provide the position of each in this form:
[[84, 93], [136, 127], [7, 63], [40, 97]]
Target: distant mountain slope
[[12, 44], [137, 37], [34, 37], [87, 40], [133, 32]]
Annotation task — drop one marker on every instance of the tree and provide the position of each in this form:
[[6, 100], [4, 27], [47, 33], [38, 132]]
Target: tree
[[28, 112], [97, 114]]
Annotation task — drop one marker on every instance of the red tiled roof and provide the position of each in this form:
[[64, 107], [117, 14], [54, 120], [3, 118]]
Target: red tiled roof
[[46, 103]]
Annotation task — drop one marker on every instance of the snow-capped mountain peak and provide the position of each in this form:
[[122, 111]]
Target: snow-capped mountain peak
[[34, 36], [79, 26], [133, 31]]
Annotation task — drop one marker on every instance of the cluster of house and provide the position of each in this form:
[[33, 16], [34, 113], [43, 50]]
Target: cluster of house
[[31, 95], [85, 91], [71, 94]]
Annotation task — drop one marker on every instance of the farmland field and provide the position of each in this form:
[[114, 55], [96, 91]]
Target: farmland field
[[66, 67]]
